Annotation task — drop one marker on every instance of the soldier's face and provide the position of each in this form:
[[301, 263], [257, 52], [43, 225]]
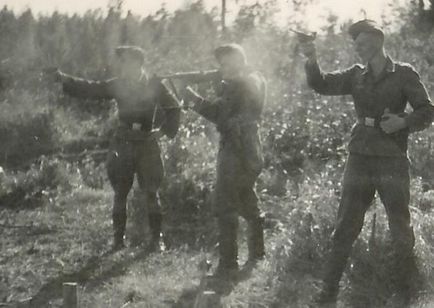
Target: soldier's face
[[368, 45], [230, 66]]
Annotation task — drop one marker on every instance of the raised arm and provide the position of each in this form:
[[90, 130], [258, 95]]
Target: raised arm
[[333, 83]]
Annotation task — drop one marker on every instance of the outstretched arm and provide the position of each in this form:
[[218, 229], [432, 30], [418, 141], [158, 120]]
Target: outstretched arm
[[83, 88], [197, 76]]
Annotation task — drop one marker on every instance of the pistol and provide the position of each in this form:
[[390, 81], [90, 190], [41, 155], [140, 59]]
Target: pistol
[[304, 37]]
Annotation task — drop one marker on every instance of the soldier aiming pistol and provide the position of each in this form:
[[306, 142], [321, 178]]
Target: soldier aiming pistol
[[147, 110]]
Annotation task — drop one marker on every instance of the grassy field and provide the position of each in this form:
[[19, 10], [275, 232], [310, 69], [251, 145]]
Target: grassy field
[[68, 239]]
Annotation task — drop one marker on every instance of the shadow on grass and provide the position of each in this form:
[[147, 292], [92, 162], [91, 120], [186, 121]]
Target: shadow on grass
[[97, 270]]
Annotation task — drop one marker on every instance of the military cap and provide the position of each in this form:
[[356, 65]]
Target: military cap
[[365, 25], [133, 52], [228, 49]]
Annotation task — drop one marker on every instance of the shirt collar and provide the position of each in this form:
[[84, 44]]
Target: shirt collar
[[389, 68]]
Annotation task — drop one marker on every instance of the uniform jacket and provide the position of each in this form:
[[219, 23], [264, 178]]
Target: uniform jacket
[[147, 103], [237, 115], [398, 85]]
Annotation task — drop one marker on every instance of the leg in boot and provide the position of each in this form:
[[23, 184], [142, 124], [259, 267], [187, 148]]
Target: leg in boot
[[137, 211], [358, 193], [228, 249], [120, 171], [119, 216], [150, 173], [155, 222], [394, 191], [249, 210], [255, 239]]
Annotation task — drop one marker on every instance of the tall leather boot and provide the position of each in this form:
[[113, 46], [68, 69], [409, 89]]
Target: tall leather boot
[[138, 214], [228, 249], [405, 279], [119, 216], [155, 222], [255, 241], [335, 267]]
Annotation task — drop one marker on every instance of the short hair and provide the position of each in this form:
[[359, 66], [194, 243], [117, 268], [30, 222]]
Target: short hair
[[133, 52], [365, 26], [230, 49]]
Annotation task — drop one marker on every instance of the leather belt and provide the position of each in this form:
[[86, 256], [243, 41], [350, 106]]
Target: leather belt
[[370, 122], [136, 126]]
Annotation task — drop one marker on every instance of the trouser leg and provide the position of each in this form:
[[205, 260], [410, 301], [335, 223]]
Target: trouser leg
[[225, 205], [394, 191], [255, 239], [228, 248], [249, 210], [150, 175], [155, 218], [121, 175], [119, 216], [357, 194]]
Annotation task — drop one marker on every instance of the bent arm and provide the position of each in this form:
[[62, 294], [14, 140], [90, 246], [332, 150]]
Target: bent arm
[[172, 111], [209, 110], [333, 83], [423, 109]]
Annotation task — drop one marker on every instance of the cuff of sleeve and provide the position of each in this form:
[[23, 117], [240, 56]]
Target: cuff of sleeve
[[410, 124], [311, 64]]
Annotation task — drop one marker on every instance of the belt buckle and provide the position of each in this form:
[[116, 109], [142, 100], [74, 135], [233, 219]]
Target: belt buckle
[[136, 126], [370, 122]]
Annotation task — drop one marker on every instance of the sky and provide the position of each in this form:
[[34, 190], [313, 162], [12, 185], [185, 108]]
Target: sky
[[344, 9]]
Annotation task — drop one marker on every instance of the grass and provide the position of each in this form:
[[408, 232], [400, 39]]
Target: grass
[[68, 239]]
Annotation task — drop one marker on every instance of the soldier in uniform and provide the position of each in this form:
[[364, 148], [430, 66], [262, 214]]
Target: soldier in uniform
[[147, 110], [236, 113], [377, 161]]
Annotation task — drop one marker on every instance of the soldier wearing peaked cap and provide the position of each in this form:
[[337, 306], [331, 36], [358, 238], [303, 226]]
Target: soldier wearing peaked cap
[[147, 110], [381, 89]]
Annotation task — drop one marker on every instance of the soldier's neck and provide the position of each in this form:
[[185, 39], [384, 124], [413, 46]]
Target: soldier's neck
[[378, 62]]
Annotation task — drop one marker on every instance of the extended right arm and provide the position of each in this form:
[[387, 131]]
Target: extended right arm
[[197, 76], [89, 89]]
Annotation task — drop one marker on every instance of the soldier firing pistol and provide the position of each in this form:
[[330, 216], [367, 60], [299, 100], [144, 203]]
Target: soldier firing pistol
[[147, 110]]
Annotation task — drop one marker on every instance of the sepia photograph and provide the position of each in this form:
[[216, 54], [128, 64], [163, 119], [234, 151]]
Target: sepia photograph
[[216, 154]]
